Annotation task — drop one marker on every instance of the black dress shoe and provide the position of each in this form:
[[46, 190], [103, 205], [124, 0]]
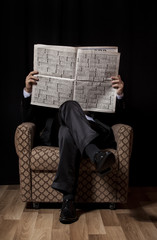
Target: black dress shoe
[[103, 162], [68, 212]]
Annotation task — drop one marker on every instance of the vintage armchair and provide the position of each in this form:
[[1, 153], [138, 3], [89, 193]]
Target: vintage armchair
[[38, 166]]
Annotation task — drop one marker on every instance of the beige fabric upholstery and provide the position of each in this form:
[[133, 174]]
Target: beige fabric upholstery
[[38, 166]]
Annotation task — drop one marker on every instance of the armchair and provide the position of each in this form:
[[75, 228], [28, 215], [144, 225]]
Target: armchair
[[38, 166]]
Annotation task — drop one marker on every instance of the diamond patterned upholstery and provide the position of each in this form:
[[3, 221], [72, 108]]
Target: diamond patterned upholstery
[[38, 166]]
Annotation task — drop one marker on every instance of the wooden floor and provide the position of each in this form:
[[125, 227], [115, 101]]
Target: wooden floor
[[137, 220]]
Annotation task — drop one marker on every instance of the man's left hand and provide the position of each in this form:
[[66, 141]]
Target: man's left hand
[[118, 84]]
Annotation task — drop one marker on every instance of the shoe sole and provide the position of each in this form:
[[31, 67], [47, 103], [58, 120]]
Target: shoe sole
[[68, 221], [106, 167]]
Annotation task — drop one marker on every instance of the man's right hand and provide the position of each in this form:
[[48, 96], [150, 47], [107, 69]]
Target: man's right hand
[[30, 81]]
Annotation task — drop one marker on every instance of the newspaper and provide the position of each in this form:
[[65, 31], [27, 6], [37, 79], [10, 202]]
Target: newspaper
[[82, 74]]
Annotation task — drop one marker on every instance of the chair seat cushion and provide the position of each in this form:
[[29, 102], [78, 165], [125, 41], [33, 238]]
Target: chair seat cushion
[[45, 158]]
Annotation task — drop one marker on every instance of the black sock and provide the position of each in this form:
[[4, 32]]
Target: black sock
[[91, 149]]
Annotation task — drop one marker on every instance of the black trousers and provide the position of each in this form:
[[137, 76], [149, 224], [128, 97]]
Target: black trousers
[[75, 133]]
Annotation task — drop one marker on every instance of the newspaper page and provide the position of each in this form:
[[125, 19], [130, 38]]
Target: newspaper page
[[93, 86], [56, 66], [82, 74]]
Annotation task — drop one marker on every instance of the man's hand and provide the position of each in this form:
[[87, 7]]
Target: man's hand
[[30, 81], [118, 84]]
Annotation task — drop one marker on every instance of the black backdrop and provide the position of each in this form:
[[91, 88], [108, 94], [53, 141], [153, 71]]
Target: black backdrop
[[130, 25]]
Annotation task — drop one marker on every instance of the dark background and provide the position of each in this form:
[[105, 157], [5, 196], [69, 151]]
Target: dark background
[[130, 25]]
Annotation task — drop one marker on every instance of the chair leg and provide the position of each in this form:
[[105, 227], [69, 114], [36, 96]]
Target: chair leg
[[36, 205], [112, 206]]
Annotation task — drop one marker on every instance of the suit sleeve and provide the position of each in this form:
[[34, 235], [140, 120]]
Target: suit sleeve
[[120, 110], [28, 114]]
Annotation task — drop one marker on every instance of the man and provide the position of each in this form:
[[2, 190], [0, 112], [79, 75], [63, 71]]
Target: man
[[78, 134]]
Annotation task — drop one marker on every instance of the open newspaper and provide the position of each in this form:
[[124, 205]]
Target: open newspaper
[[82, 74]]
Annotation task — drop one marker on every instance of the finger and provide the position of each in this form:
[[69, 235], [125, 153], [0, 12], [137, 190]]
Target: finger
[[33, 78], [31, 81], [114, 77], [115, 81], [33, 72], [117, 77], [115, 85]]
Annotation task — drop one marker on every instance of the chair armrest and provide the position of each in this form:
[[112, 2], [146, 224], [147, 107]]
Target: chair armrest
[[24, 136], [124, 137]]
